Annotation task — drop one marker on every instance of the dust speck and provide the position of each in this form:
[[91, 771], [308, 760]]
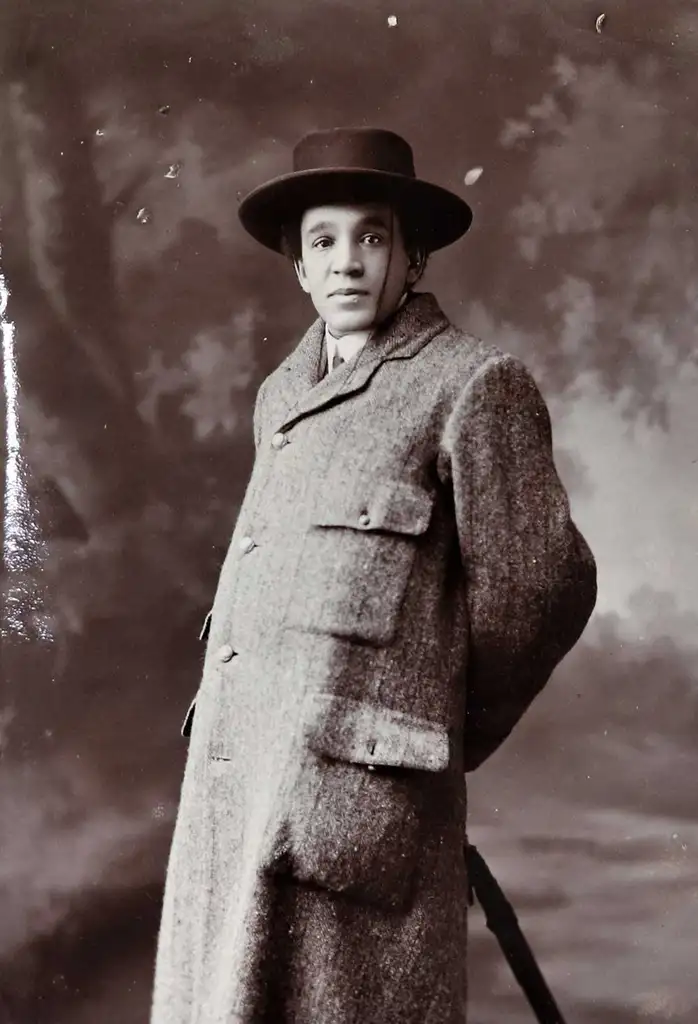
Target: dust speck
[[173, 170], [164, 109], [600, 21], [144, 216], [392, 20], [473, 175]]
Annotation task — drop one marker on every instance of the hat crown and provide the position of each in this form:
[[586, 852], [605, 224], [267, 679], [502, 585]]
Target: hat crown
[[354, 165], [365, 149]]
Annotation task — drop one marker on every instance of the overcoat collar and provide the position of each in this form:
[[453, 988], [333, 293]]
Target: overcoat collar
[[306, 390]]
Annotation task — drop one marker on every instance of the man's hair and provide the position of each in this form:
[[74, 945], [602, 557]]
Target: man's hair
[[291, 240]]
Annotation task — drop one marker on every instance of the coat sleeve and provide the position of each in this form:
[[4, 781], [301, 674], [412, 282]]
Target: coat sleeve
[[530, 577]]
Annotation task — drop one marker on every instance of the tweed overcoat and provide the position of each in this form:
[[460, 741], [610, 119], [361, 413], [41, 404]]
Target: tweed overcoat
[[403, 577]]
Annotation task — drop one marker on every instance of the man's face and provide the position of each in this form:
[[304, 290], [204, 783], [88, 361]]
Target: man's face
[[353, 265]]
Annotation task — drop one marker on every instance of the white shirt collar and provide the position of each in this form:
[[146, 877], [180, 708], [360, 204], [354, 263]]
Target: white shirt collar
[[349, 345]]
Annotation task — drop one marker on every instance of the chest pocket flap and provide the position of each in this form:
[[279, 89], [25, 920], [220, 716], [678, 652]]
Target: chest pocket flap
[[395, 506]]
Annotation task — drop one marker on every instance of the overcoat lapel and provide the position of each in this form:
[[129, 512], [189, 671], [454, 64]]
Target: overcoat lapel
[[305, 391]]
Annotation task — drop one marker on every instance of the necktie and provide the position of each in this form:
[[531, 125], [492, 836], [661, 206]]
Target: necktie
[[337, 360]]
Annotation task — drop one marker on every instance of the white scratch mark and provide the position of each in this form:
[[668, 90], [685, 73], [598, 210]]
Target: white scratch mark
[[20, 529], [15, 494], [473, 175]]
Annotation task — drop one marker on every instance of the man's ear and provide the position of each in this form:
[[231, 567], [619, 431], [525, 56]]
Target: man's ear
[[413, 273], [416, 267], [301, 275]]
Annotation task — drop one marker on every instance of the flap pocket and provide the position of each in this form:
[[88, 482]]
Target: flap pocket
[[355, 831], [362, 733], [397, 506]]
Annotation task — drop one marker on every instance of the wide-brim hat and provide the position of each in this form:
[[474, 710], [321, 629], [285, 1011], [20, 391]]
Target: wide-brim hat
[[343, 165]]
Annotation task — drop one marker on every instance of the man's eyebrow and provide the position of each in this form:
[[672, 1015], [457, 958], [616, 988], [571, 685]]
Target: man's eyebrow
[[321, 225], [375, 220]]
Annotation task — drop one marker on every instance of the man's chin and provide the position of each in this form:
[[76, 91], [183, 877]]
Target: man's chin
[[339, 325]]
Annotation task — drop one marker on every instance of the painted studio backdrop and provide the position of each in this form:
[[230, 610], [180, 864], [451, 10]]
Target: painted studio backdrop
[[137, 323]]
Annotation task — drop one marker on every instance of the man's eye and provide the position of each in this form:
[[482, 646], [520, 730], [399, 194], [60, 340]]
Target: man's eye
[[373, 239], [321, 243]]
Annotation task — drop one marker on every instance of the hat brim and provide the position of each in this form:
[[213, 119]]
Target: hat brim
[[436, 216]]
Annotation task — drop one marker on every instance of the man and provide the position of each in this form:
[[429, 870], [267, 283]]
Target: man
[[402, 580]]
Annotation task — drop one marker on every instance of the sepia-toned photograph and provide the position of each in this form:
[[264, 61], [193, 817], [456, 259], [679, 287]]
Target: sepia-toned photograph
[[349, 587]]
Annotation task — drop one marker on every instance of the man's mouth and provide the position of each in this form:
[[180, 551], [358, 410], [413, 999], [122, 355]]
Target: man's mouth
[[348, 292]]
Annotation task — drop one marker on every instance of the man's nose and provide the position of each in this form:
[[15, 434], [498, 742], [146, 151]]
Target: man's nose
[[347, 260]]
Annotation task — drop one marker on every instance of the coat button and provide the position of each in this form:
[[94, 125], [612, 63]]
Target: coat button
[[279, 440], [246, 545], [226, 653], [364, 519]]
